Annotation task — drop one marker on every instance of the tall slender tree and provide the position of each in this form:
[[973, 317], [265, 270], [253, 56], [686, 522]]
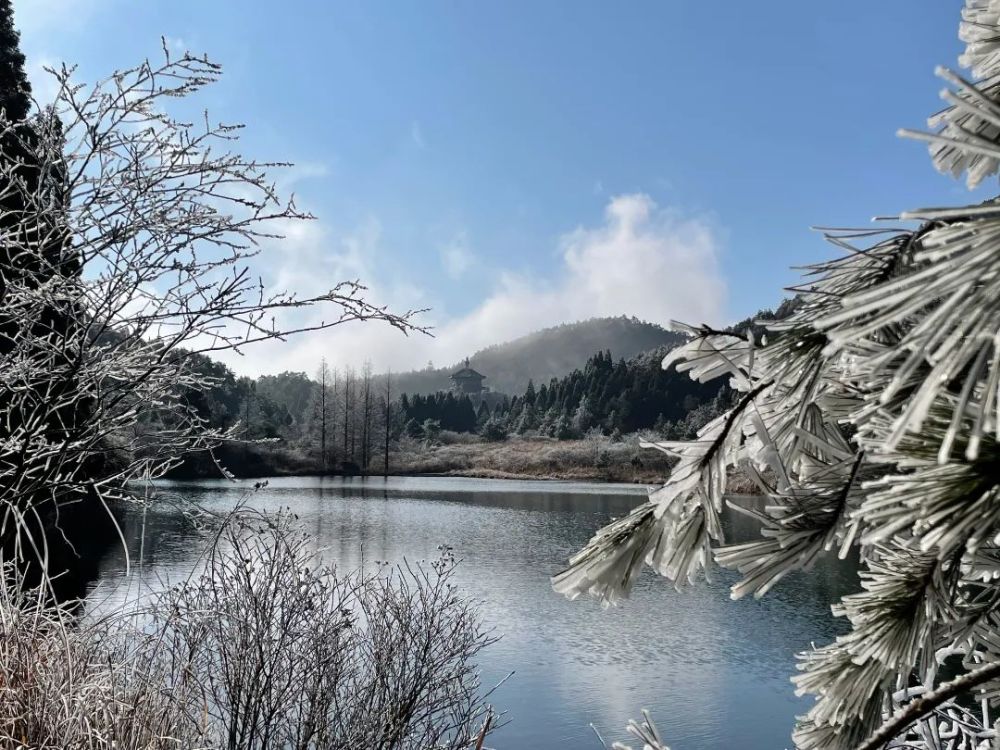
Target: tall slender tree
[[387, 406], [324, 373], [15, 89], [348, 411], [367, 413], [95, 363], [39, 320]]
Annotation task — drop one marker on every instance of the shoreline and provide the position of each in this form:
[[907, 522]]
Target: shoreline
[[532, 459], [585, 460], [473, 473]]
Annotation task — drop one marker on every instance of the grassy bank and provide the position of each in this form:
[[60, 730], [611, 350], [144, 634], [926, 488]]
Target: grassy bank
[[591, 459]]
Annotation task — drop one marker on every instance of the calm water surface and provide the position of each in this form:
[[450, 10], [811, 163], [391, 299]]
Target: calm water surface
[[715, 673]]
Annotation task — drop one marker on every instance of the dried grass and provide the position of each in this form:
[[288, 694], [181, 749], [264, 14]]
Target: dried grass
[[264, 648]]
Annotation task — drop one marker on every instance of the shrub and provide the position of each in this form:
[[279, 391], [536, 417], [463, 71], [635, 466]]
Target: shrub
[[265, 647]]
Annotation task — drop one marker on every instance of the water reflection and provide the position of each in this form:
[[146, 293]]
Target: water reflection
[[714, 672]]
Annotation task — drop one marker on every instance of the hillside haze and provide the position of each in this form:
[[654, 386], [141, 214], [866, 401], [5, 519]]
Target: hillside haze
[[549, 353]]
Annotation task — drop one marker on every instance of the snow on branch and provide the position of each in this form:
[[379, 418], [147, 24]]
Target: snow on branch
[[869, 419]]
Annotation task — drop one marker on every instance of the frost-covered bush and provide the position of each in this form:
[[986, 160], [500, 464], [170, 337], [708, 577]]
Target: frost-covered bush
[[870, 417], [128, 239], [263, 647]]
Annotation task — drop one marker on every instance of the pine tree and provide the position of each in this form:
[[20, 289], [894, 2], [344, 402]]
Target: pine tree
[[15, 89], [494, 430], [870, 420], [562, 428], [661, 426], [583, 417], [36, 253], [526, 420], [529, 394], [483, 414], [542, 399], [465, 416]]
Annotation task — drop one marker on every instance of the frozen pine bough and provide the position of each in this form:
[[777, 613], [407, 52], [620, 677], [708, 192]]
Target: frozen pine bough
[[869, 419]]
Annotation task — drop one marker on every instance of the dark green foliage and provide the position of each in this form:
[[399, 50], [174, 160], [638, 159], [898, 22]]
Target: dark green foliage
[[624, 396], [268, 407], [483, 414], [412, 428], [46, 403], [562, 428], [221, 405], [430, 429], [291, 390], [546, 354], [526, 421], [15, 90], [529, 394], [261, 416], [453, 412], [494, 430], [615, 397]]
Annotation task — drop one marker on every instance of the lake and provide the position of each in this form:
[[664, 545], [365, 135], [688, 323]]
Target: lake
[[714, 673]]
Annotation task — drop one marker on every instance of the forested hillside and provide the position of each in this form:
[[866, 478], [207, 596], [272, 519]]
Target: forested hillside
[[342, 420], [604, 395], [546, 354], [612, 397]]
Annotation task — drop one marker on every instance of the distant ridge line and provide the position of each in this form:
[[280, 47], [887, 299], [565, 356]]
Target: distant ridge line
[[545, 354]]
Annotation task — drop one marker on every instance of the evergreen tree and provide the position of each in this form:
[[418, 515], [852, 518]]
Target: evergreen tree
[[526, 420], [661, 426], [483, 414], [15, 89], [529, 394], [583, 417], [542, 398], [465, 417], [494, 430], [291, 390], [870, 421], [562, 428], [412, 428], [431, 430], [36, 253], [548, 421]]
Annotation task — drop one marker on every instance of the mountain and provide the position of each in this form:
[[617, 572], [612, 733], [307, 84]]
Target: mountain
[[546, 354]]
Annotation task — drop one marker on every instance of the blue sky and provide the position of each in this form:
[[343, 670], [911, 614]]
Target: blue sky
[[517, 164]]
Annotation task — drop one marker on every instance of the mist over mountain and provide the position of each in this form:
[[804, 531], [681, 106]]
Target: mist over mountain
[[545, 354]]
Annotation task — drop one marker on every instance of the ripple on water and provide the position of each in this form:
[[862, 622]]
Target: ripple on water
[[715, 673]]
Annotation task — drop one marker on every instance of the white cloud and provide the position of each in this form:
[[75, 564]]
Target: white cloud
[[46, 26], [456, 258], [654, 263], [175, 44], [417, 135], [44, 86], [309, 261]]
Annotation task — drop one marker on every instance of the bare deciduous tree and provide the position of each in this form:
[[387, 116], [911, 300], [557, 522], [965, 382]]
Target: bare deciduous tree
[[367, 413], [129, 250], [127, 253], [387, 422]]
